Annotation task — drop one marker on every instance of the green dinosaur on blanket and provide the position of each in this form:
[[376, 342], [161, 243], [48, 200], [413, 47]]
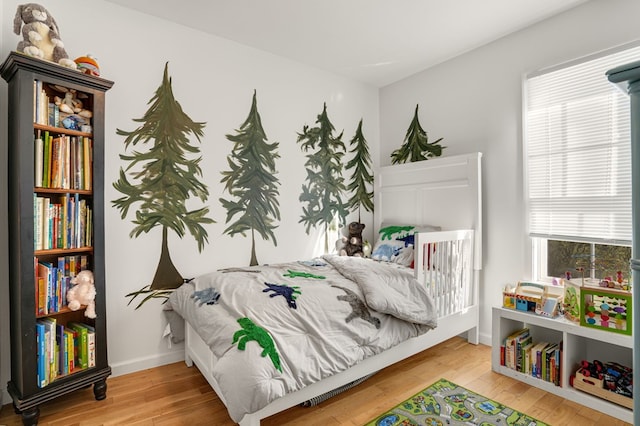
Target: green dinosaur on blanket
[[302, 274], [249, 332], [358, 307]]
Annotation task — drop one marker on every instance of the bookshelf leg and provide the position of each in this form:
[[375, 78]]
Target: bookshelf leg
[[100, 390], [16, 409], [30, 416]]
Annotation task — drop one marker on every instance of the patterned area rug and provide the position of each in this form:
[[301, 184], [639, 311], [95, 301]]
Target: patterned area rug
[[445, 403]]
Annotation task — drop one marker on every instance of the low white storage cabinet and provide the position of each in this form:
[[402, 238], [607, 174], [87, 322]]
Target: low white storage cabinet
[[579, 343]]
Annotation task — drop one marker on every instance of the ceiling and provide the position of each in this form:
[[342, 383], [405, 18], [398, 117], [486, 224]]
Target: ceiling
[[373, 41]]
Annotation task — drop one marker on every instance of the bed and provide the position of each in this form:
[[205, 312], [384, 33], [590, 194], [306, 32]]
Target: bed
[[385, 311]]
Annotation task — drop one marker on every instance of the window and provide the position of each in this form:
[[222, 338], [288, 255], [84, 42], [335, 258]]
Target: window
[[578, 169]]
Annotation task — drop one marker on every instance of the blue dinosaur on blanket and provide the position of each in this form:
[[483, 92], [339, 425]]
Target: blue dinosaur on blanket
[[209, 296], [289, 293]]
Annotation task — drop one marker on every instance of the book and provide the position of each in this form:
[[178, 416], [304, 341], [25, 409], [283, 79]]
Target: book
[[60, 362], [523, 340], [44, 272], [91, 345], [87, 168], [526, 354], [39, 161], [511, 346], [46, 160], [50, 341], [70, 350], [82, 360], [535, 358], [546, 361], [41, 354]]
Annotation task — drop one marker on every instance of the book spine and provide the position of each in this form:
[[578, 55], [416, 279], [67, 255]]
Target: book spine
[[81, 343], [91, 346], [41, 354], [39, 161]]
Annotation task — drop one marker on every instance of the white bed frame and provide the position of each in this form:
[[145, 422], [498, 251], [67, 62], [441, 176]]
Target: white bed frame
[[445, 192]]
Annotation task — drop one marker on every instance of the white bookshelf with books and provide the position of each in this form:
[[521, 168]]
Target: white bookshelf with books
[[567, 344]]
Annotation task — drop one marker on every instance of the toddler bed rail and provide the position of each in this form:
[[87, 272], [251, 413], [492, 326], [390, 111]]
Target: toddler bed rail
[[444, 264]]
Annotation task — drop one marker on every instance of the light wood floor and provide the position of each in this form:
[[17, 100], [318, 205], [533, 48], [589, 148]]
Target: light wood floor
[[177, 395]]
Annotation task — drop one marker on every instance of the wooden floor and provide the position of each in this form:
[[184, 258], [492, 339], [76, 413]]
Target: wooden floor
[[177, 395]]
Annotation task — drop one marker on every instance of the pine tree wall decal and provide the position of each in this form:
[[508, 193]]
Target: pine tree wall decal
[[324, 185], [416, 146], [252, 183], [163, 178], [362, 177]]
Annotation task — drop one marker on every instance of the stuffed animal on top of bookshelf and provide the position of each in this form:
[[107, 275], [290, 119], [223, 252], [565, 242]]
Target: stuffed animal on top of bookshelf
[[83, 292], [40, 35], [88, 65]]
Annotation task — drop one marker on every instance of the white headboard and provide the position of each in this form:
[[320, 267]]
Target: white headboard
[[443, 191]]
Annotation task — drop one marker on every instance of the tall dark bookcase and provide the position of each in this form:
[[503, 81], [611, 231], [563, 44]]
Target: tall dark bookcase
[[27, 76]]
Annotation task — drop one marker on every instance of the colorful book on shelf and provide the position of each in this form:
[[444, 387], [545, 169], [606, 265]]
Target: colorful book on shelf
[[87, 168], [50, 337], [71, 363], [91, 345], [546, 358], [82, 359], [511, 347], [39, 160], [60, 350], [45, 271], [41, 355], [46, 172], [526, 358], [535, 358], [523, 340]]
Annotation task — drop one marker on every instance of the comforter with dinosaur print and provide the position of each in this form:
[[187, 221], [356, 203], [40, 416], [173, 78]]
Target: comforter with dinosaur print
[[275, 329]]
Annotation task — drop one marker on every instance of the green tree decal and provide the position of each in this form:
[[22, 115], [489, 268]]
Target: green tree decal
[[416, 146], [251, 182], [362, 177], [325, 184], [163, 181]]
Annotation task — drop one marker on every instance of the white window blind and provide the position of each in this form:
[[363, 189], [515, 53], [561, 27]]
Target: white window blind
[[578, 153]]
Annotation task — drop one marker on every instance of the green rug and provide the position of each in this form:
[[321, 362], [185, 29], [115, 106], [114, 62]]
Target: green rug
[[445, 403]]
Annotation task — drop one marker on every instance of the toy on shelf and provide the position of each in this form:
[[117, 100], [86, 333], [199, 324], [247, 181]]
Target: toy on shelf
[[571, 304], [541, 298], [606, 309], [610, 381]]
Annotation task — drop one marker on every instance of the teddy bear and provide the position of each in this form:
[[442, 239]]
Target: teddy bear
[[83, 292], [352, 244], [40, 35]]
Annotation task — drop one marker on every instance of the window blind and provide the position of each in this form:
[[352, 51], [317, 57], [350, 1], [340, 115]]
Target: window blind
[[578, 153]]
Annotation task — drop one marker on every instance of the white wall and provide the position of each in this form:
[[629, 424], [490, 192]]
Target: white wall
[[213, 79], [474, 101]]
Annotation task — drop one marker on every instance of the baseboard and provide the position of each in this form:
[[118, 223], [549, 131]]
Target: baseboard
[[485, 339], [138, 364], [119, 369], [131, 366]]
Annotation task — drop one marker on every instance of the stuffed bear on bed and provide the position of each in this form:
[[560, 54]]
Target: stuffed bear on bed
[[352, 244]]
